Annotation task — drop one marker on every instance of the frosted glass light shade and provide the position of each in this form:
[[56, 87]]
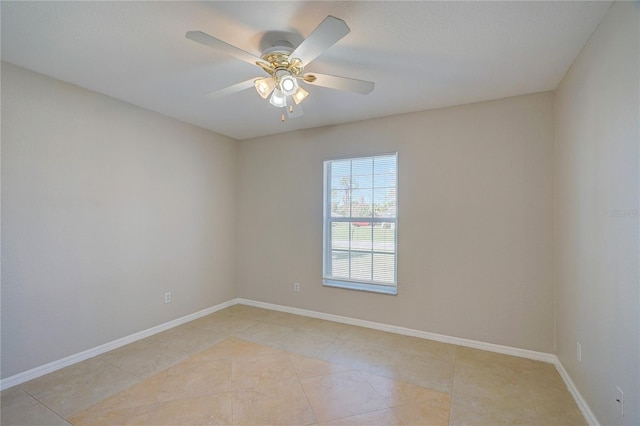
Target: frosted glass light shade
[[288, 85], [286, 82], [264, 86], [299, 95], [278, 99]]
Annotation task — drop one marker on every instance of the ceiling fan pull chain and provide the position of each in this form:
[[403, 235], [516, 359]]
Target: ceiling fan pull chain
[[282, 118]]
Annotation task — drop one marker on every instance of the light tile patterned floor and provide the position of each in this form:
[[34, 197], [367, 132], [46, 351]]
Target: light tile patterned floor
[[251, 366]]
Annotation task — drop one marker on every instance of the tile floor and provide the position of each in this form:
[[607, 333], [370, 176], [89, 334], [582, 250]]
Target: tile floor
[[251, 366]]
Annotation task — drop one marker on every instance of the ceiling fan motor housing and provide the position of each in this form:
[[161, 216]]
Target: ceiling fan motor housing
[[278, 57]]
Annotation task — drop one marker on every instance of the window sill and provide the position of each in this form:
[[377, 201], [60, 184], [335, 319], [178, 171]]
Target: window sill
[[372, 288]]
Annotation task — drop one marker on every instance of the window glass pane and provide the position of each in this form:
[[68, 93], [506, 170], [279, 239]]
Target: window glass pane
[[385, 183], [384, 237], [385, 171], [362, 173], [361, 238], [340, 173], [385, 202], [340, 202], [361, 265], [340, 235], [339, 264], [361, 205], [384, 267]]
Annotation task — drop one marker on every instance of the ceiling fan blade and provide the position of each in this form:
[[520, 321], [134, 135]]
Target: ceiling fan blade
[[330, 30], [223, 46], [238, 87], [339, 83]]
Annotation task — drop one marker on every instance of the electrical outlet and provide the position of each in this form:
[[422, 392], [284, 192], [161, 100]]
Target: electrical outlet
[[620, 401], [579, 351], [296, 286], [167, 297]]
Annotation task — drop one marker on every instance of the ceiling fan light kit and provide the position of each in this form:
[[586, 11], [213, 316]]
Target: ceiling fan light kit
[[264, 86], [285, 66], [286, 82], [278, 99], [299, 95]]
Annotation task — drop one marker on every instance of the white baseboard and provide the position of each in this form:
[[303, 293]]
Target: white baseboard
[[582, 404], [508, 350], [523, 353], [90, 353]]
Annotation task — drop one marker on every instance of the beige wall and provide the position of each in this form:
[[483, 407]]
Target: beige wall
[[597, 118], [475, 220], [105, 207]]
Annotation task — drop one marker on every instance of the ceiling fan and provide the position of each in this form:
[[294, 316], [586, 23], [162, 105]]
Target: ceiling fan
[[285, 67]]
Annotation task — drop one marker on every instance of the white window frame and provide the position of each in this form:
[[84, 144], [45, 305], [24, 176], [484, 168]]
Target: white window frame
[[354, 284]]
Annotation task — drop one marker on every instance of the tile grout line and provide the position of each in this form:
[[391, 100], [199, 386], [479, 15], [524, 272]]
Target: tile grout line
[[155, 404], [306, 397], [533, 402], [233, 402], [389, 407], [47, 407], [453, 382], [33, 395]]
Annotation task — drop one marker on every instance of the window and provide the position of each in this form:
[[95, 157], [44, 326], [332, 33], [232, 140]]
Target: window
[[360, 223]]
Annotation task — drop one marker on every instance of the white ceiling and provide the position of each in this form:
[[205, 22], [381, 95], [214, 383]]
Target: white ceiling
[[421, 55]]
